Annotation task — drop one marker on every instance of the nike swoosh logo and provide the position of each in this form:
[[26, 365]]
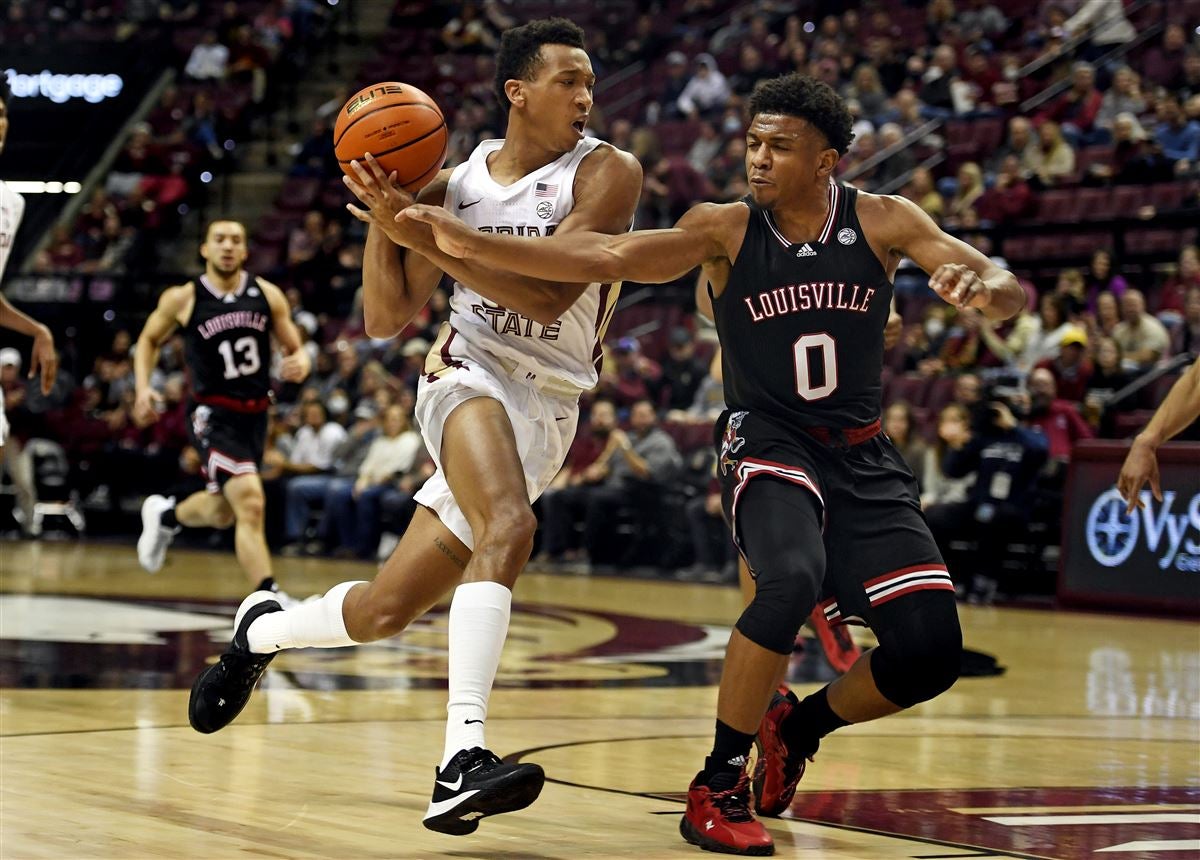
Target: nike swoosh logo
[[453, 786], [441, 807], [469, 205], [468, 722]]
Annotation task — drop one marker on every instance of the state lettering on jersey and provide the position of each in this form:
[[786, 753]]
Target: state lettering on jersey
[[504, 321], [521, 230], [231, 320], [820, 296]]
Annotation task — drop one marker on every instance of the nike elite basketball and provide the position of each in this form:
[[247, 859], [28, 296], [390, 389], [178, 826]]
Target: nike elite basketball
[[400, 125]]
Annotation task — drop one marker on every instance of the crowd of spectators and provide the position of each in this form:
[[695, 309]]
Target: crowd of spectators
[[985, 415]]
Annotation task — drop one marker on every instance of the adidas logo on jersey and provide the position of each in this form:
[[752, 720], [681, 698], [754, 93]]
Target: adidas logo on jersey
[[806, 251]]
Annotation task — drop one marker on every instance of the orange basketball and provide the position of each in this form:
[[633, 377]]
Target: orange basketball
[[400, 125]]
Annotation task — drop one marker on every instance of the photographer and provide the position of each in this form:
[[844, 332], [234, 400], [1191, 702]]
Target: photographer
[[1006, 457]]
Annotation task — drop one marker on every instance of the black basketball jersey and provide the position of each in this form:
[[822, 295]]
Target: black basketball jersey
[[802, 325], [228, 340]]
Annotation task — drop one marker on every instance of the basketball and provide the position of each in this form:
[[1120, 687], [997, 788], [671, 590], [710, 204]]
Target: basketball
[[398, 124]]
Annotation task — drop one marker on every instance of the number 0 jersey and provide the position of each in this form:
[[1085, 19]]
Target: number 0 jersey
[[228, 341], [802, 324], [568, 349]]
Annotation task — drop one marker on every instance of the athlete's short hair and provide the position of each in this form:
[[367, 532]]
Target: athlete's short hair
[[214, 222], [519, 57], [811, 100]]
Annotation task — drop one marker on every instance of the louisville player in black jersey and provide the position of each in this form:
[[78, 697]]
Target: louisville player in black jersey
[[821, 505], [227, 316]]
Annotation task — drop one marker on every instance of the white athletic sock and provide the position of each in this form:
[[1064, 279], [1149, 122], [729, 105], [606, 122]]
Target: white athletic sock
[[317, 624], [478, 626]]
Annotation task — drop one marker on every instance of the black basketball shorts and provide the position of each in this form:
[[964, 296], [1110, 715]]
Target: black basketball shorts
[[230, 443], [877, 544]]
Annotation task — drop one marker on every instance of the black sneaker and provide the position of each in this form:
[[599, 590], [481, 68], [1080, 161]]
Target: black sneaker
[[222, 690], [477, 784]]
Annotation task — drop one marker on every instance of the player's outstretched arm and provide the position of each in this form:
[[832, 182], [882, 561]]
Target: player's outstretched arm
[[159, 325], [647, 256], [43, 359], [296, 363], [958, 273], [1180, 408]]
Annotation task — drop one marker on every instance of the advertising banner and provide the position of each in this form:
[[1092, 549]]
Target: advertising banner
[[1149, 559]]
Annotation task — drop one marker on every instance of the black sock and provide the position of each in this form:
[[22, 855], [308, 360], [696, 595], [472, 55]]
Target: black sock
[[810, 721], [730, 751], [268, 584], [168, 520]]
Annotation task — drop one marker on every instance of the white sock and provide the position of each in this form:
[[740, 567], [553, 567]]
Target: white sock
[[310, 625], [478, 626]]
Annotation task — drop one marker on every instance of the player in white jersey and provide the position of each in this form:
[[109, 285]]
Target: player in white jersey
[[498, 405], [43, 359]]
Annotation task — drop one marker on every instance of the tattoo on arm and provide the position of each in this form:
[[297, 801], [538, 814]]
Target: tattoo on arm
[[449, 553]]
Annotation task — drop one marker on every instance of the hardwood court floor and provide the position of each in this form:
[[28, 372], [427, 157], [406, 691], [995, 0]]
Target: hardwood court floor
[[1089, 745]]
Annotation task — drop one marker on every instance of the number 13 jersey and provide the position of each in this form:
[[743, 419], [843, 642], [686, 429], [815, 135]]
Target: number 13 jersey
[[228, 341], [802, 324]]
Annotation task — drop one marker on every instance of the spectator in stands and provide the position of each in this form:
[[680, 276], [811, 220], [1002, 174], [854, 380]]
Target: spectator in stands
[[979, 20], [1076, 110], [1052, 161], [897, 164], [1010, 197], [923, 343], [967, 390], [308, 467], [1019, 142], [866, 88], [667, 104], [1135, 159], [705, 147], [727, 172], [208, 59], [907, 113], [1070, 288], [1102, 277], [981, 79], [1072, 369], [901, 428], [469, 32], [1058, 420], [1163, 64], [1191, 81], [633, 468], [1103, 23], [922, 191], [707, 92], [715, 557], [1108, 377], [1006, 457], [1103, 320], [1187, 334], [682, 371], [963, 345], [356, 507], [305, 239], [633, 376], [345, 376], [937, 90], [862, 150], [1053, 325], [937, 488], [1142, 338], [966, 195], [751, 70], [316, 156], [1171, 297], [644, 44], [1178, 137], [579, 469], [248, 62], [1123, 96]]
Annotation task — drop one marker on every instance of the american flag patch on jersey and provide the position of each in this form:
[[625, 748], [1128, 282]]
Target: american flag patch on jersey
[[544, 189]]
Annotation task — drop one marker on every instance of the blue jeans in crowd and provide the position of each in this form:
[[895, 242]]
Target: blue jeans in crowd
[[305, 491], [357, 521]]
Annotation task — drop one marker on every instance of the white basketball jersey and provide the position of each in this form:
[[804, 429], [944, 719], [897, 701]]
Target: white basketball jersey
[[532, 206], [12, 207]]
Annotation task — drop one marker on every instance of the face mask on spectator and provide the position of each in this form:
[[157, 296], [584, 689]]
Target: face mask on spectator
[[934, 327], [338, 404]]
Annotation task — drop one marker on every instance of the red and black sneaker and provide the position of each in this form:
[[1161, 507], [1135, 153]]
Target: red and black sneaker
[[837, 643], [778, 770], [719, 819]]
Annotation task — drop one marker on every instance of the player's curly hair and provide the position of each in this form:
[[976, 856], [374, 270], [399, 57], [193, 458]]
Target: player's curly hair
[[809, 99], [519, 56]]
